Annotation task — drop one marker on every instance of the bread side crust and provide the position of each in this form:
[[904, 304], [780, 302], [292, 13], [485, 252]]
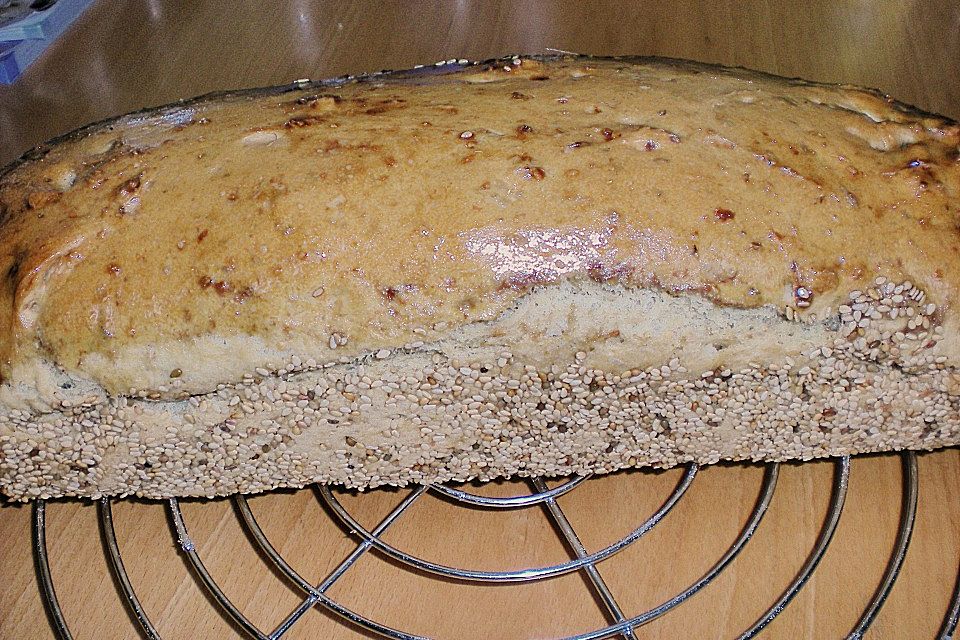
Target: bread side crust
[[473, 407]]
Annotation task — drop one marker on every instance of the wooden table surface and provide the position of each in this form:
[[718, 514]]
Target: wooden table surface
[[122, 56]]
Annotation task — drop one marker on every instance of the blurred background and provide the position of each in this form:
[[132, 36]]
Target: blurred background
[[121, 56]]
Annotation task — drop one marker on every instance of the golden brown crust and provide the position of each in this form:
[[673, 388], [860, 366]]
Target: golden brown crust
[[369, 209]]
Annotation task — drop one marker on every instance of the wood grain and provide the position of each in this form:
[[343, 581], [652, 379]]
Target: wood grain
[[122, 56]]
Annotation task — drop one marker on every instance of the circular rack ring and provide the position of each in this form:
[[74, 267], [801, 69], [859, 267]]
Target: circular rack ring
[[516, 575], [511, 502]]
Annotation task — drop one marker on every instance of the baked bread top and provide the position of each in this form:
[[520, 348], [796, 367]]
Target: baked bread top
[[203, 241]]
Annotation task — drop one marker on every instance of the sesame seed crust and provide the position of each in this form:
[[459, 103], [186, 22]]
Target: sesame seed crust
[[419, 414]]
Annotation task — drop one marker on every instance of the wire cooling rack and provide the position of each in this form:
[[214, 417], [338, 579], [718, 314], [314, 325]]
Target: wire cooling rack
[[620, 625]]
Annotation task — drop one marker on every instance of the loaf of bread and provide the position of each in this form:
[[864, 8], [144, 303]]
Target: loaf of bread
[[532, 266]]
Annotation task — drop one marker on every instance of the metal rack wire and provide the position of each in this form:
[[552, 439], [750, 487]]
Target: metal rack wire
[[620, 624]]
